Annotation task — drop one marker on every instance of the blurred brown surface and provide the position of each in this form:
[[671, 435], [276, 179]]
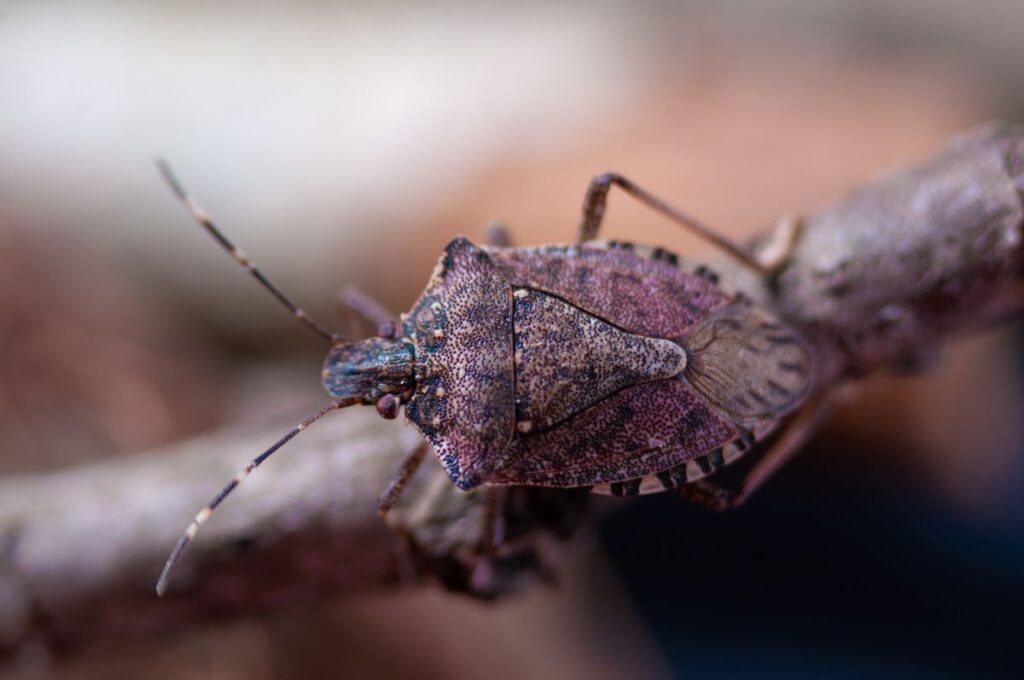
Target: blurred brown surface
[[90, 364], [738, 142], [421, 633], [957, 427]]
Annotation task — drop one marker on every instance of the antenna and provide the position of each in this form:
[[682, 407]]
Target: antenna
[[204, 514], [204, 220]]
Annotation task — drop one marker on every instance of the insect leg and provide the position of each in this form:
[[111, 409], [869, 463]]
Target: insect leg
[[780, 243], [596, 199], [492, 529], [408, 546], [804, 423], [355, 306], [394, 490], [480, 560], [497, 235], [200, 216]]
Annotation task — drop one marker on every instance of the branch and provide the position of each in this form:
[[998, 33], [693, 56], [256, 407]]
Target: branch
[[880, 279], [81, 548], [877, 282]]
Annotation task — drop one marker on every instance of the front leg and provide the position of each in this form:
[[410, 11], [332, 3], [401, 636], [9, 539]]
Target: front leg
[[357, 309], [408, 548], [393, 492]]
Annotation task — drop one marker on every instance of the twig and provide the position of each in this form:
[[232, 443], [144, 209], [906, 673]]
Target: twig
[[878, 281]]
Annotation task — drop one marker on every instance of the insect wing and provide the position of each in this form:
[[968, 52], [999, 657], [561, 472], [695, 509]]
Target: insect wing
[[751, 367], [639, 294], [648, 427]]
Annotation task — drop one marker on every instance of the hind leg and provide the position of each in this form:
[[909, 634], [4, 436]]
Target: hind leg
[[778, 246], [708, 494], [596, 200]]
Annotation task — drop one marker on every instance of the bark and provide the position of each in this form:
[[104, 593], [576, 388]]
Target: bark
[[884, 276], [878, 281]]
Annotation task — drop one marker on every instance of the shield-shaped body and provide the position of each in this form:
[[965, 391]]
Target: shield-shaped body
[[606, 365]]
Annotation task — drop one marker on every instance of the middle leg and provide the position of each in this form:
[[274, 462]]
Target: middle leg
[[497, 235]]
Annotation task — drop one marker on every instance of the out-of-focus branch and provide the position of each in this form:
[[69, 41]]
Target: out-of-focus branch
[[884, 276], [81, 548], [877, 281]]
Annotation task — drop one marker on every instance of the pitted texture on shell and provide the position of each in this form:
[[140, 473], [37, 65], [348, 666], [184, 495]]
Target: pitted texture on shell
[[566, 359], [462, 330], [645, 428], [589, 309], [748, 365], [643, 296]]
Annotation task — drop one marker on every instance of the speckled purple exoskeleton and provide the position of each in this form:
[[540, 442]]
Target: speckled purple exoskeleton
[[600, 364]]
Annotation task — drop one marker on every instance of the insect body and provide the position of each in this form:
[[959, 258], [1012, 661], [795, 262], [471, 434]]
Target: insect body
[[586, 366], [601, 364]]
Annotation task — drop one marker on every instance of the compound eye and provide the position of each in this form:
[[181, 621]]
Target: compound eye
[[387, 406], [387, 330]]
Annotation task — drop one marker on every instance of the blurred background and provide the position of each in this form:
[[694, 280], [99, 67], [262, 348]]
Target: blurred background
[[346, 143]]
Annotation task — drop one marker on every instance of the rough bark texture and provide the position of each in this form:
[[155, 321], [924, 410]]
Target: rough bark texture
[[877, 282], [881, 278]]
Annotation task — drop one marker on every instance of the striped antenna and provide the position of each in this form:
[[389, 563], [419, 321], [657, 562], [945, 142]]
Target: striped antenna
[[204, 514], [204, 220]]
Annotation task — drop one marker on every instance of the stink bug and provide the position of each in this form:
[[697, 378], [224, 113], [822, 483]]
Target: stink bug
[[606, 365]]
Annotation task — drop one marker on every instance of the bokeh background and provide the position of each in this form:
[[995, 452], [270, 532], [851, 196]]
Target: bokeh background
[[345, 143]]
